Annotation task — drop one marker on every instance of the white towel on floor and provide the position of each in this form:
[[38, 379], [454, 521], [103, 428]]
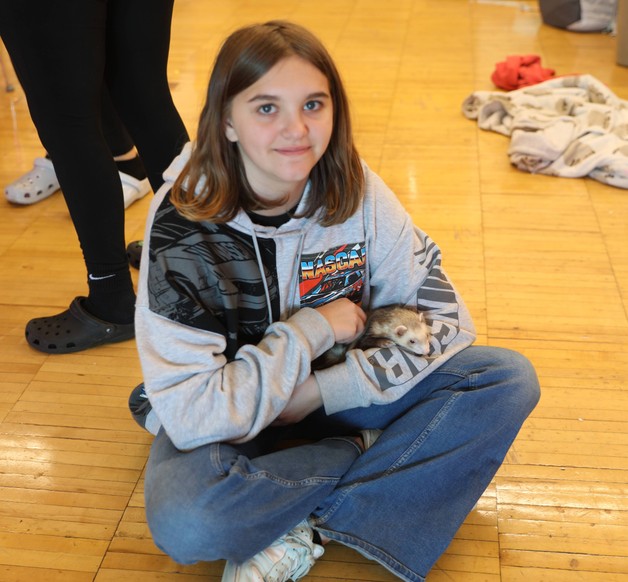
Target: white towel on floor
[[567, 126]]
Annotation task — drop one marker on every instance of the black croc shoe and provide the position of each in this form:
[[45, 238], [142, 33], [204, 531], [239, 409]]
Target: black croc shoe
[[134, 253], [74, 330]]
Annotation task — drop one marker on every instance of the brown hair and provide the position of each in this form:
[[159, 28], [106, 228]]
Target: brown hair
[[213, 185]]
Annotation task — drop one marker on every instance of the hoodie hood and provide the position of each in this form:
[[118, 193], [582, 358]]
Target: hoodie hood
[[176, 166]]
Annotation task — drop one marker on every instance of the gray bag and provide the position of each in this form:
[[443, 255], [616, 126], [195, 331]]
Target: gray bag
[[579, 15]]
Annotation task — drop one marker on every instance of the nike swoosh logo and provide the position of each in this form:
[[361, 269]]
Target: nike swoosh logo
[[94, 278]]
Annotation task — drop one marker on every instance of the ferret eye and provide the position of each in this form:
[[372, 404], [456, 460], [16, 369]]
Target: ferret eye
[[412, 341]]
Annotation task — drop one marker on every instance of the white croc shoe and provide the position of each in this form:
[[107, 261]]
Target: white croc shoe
[[133, 189], [35, 185], [289, 558], [42, 181]]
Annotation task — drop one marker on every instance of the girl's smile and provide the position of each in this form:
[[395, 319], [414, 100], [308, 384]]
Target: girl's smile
[[282, 124], [294, 151]]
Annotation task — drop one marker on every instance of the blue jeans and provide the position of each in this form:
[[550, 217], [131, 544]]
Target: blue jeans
[[399, 503]]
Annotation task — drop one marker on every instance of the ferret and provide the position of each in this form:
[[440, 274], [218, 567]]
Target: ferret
[[384, 327]]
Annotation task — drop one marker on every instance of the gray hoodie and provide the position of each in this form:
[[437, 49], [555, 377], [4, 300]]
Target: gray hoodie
[[226, 324]]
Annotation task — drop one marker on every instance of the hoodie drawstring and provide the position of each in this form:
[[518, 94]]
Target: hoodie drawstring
[[295, 288], [260, 264]]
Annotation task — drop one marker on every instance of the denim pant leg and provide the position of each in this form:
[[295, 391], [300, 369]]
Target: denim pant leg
[[229, 501], [403, 500]]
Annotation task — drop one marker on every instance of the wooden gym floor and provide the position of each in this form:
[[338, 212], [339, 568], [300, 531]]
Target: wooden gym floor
[[542, 262]]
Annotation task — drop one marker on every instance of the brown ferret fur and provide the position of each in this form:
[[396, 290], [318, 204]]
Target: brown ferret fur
[[386, 326]]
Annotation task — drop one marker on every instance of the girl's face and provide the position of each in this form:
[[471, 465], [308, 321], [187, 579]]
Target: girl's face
[[282, 124]]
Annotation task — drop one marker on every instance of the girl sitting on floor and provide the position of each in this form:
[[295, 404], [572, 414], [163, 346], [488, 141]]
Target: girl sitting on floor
[[267, 242]]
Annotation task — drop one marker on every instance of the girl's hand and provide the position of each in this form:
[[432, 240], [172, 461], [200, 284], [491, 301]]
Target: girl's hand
[[305, 399], [345, 317]]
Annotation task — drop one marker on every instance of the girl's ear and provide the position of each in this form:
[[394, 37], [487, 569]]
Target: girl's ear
[[230, 132]]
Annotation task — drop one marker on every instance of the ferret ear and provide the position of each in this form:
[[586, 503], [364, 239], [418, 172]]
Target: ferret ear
[[421, 316], [400, 330]]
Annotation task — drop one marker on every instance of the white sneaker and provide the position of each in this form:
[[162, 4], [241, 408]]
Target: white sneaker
[[35, 185], [369, 436], [289, 558], [133, 189]]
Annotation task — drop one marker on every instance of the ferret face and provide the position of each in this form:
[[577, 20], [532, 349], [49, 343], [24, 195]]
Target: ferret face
[[414, 338], [397, 326]]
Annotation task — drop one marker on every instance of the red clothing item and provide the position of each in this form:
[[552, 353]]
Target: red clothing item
[[520, 71]]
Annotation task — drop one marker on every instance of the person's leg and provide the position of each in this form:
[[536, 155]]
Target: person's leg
[[440, 447], [58, 51], [41, 182], [403, 500], [138, 43], [135, 184], [233, 501], [116, 135]]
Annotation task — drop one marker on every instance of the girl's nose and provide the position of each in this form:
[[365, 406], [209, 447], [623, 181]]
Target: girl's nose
[[294, 126]]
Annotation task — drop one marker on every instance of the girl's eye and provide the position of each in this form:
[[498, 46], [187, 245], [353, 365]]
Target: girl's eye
[[313, 105], [267, 109]]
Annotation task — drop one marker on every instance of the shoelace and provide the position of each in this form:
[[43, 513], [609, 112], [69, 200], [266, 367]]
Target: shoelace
[[297, 562]]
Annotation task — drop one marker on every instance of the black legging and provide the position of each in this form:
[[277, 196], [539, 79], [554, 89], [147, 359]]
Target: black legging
[[66, 53], [116, 135]]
